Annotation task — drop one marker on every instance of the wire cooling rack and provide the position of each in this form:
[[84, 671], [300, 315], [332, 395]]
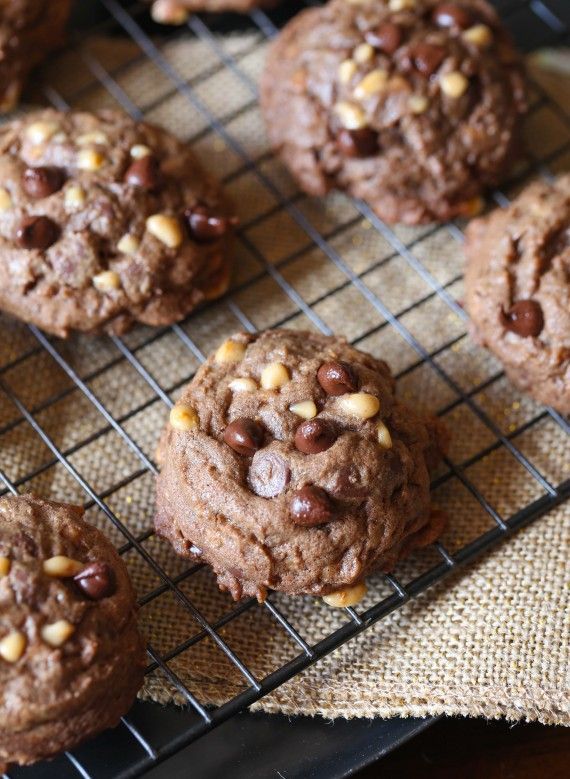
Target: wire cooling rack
[[137, 744]]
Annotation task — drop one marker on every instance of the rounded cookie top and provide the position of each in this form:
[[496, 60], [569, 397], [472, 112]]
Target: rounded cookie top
[[105, 221], [29, 30], [518, 289], [412, 105], [71, 658], [289, 464]]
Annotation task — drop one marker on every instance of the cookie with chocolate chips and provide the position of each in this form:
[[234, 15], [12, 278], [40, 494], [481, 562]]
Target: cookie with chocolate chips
[[518, 289], [71, 657], [289, 464], [104, 222], [411, 105], [29, 31]]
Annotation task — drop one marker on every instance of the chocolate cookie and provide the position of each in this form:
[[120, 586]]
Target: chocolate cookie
[[29, 30], [178, 11], [518, 289], [71, 657], [289, 464], [412, 105], [105, 221]]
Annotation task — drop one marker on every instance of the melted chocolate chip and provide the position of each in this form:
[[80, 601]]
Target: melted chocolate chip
[[427, 58], [42, 182], [144, 173], [244, 436], [311, 506], [96, 581], [357, 143], [37, 232], [268, 474], [337, 378], [314, 436], [346, 483], [205, 227], [452, 15], [386, 37], [525, 318]]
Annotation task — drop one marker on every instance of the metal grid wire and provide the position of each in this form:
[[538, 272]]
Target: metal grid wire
[[534, 23]]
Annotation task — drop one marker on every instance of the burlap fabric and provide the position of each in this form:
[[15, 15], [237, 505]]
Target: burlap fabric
[[491, 641]]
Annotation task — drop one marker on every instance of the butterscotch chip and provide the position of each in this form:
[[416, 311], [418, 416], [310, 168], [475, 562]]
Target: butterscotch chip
[[306, 409], [90, 159], [183, 417], [408, 67], [453, 84], [274, 376], [13, 646], [5, 566], [359, 404], [243, 385], [62, 567], [74, 197], [105, 174], [139, 150], [286, 483], [351, 116], [57, 633], [128, 244], [349, 596], [5, 200], [346, 70], [384, 437], [166, 229], [372, 84], [230, 352], [71, 658], [107, 281], [96, 137]]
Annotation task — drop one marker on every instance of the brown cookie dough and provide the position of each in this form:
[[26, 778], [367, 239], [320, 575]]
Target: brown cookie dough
[[412, 105], [518, 289], [71, 657], [29, 31], [289, 464], [178, 11], [105, 221]]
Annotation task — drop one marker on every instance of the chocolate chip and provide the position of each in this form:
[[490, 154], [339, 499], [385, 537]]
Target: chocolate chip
[[311, 506], [144, 173], [337, 378], [347, 484], [427, 58], [205, 227], [314, 436], [525, 318], [357, 143], [37, 232], [452, 15], [42, 182], [268, 474], [386, 37], [244, 436], [96, 581]]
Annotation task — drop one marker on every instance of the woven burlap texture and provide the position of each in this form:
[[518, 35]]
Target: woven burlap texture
[[492, 640]]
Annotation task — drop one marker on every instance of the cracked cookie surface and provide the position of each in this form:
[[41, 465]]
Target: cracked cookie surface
[[289, 464], [518, 289], [104, 222], [412, 105], [71, 657]]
